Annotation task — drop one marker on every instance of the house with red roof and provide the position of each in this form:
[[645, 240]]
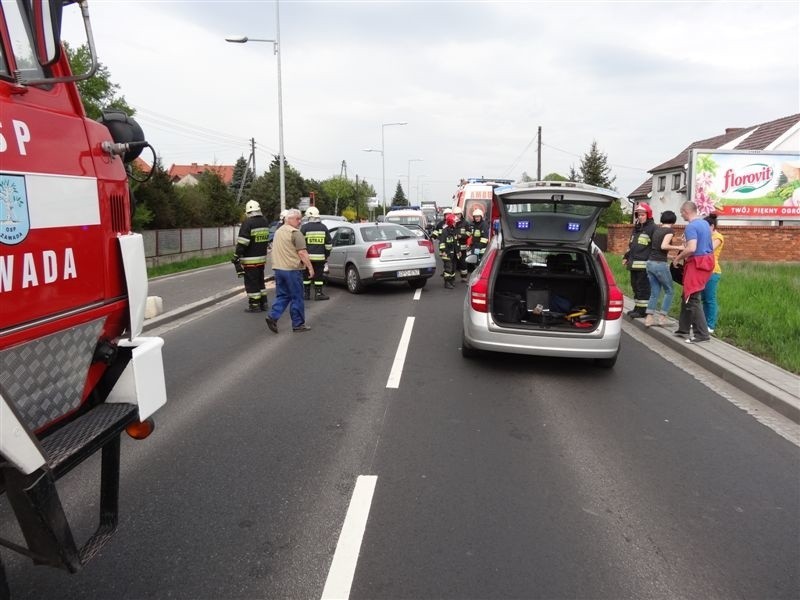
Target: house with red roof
[[183, 175], [666, 188]]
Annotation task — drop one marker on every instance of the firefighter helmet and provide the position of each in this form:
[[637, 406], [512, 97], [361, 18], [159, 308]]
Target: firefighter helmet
[[646, 208], [312, 212], [252, 206], [457, 210], [447, 211], [477, 213]]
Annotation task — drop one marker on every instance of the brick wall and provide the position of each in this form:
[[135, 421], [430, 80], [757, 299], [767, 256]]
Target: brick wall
[[748, 242]]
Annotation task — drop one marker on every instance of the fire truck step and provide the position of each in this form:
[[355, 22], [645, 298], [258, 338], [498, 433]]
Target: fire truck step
[[78, 440]]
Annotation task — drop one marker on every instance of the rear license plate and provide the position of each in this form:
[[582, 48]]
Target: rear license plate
[[408, 273]]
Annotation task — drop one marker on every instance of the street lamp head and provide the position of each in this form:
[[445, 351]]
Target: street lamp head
[[237, 39], [399, 123]]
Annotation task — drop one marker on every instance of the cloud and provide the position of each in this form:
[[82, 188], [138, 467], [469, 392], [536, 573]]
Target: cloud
[[473, 81]]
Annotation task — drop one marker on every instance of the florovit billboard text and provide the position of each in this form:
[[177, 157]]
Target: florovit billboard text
[[746, 184]]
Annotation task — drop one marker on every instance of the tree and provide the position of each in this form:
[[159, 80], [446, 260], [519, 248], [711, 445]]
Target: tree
[[595, 169], [98, 92], [220, 203], [340, 190], [158, 196], [573, 174], [266, 189], [525, 177], [399, 198], [555, 177], [242, 170]]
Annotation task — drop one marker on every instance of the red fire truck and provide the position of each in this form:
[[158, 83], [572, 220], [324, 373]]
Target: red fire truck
[[75, 371]]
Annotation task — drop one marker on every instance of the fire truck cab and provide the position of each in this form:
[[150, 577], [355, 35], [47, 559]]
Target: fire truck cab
[[75, 370]]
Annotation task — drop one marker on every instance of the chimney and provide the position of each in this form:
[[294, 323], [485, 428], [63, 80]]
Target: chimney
[[732, 129]]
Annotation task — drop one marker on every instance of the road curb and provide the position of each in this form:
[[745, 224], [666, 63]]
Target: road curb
[[187, 309]]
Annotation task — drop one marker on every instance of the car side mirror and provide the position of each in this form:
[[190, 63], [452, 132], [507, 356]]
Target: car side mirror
[[471, 260]]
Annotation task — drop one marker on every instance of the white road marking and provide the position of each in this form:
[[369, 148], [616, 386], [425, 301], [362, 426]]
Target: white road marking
[[343, 567], [418, 294], [400, 356]]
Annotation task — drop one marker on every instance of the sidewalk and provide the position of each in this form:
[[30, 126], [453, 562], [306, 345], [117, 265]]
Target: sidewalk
[[767, 383], [777, 388]]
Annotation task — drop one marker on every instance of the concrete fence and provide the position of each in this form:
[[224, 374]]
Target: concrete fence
[[163, 246]]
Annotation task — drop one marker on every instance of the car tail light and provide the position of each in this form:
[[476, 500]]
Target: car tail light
[[426, 244], [479, 290], [375, 250], [615, 297]]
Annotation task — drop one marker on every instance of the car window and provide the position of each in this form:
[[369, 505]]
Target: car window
[[564, 208], [344, 236]]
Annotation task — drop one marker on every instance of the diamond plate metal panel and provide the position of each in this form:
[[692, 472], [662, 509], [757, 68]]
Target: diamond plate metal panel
[[44, 378]]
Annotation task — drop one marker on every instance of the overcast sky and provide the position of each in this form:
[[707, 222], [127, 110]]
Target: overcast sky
[[473, 80]]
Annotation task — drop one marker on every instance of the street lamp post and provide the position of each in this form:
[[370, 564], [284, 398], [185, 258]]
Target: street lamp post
[[383, 159], [410, 160], [276, 51]]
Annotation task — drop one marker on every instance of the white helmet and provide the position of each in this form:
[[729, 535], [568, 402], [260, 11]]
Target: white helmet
[[477, 213], [252, 206], [457, 210], [312, 212], [447, 211]]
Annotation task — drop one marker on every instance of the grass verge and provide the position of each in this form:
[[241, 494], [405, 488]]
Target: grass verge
[[185, 265], [759, 310]]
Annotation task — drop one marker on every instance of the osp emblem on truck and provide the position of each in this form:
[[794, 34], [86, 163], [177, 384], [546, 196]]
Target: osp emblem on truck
[[15, 222]]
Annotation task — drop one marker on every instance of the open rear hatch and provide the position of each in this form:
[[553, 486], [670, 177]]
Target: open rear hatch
[[547, 277]]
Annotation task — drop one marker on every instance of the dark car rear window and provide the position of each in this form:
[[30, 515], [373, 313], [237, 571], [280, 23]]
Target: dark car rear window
[[381, 233]]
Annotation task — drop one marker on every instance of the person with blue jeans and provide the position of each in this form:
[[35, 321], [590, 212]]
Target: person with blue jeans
[[658, 273], [709, 295], [289, 256]]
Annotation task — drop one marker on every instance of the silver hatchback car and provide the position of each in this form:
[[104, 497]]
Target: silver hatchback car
[[367, 253], [543, 287]]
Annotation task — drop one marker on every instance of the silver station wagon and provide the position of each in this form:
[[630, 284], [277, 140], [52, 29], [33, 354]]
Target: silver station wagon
[[543, 287], [368, 253]]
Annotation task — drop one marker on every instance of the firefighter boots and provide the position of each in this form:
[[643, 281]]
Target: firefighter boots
[[319, 294], [264, 306], [253, 306]]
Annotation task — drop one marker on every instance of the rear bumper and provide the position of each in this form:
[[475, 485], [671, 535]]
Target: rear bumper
[[482, 333], [384, 273]]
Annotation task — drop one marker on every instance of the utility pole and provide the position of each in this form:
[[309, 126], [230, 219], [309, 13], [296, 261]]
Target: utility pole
[[252, 158], [539, 156], [356, 196]]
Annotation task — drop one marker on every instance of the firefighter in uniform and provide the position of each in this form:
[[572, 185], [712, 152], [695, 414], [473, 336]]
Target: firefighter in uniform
[[635, 259], [479, 234], [437, 229], [318, 244], [463, 236], [449, 250], [251, 254]]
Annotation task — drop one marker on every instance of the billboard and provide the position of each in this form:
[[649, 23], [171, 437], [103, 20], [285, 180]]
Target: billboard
[[745, 184]]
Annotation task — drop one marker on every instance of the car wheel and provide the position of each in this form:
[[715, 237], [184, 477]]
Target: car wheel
[[416, 284], [467, 351], [607, 363], [354, 283]]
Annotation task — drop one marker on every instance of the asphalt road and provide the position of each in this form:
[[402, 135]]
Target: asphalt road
[[503, 477]]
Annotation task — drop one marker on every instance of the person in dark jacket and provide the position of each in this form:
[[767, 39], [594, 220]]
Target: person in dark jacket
[[463, 234], [437, 228], [318, 244], [449, 250], [479, 233], [251, 254], [635, 259]]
